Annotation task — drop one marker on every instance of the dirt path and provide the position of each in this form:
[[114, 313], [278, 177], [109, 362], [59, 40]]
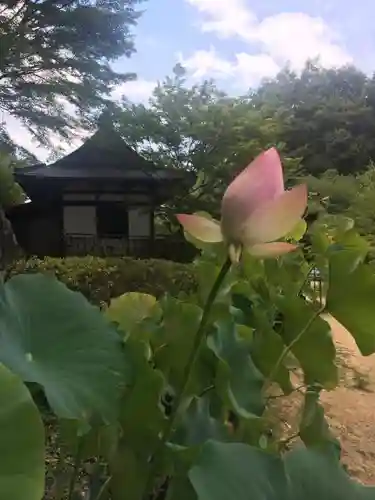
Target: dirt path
[[350, 408]]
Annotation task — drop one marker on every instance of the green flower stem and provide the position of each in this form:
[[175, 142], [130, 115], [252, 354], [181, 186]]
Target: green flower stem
[[290, 346], [189, 368]]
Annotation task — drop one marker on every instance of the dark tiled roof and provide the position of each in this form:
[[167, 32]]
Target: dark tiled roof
[[103, 156]]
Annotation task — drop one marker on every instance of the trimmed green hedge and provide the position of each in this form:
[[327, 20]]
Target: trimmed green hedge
[[100, 279]]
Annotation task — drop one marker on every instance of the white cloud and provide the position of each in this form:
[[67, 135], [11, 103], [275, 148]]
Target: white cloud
[[205, 63], [225, 18], [245, 70], [291, 37], [251, 68], [296, 37], [136, 90]]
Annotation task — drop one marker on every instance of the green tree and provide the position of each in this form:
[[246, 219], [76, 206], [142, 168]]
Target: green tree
[[58, 52], [8, 147], [351, 196], [327, 116], [11, 194], [198, 129]]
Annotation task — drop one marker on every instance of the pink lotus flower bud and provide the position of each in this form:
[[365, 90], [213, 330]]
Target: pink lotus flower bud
[[256, 211]]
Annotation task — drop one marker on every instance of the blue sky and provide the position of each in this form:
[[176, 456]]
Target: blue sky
[[238, 42]]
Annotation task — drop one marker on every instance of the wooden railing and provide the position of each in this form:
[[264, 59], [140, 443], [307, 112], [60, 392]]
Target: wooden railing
[[164, 248]]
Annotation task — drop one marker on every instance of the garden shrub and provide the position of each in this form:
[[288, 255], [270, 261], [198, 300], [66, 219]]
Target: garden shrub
[[100, 279]]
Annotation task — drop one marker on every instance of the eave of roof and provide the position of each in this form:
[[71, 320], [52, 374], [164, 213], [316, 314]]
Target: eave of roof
[[51, 172], [104, 156]]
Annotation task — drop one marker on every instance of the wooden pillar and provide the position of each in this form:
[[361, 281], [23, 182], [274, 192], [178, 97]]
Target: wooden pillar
[[62, 249], [9, 249], [152, 225]]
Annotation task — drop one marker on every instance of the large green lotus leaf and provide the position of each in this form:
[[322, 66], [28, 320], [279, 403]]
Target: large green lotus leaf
[[288, 274], [196, 425], [21, 441], [56, 338], [128, 474], [237, 471], [89, 441], [315, 350], [240, 472], [298, 231], [141, 416], [351, 299], [207, 270], [267, 346], [349, 247], [314, 429], [344, 256], [131, 309], [180, 488], [173, 341], [314, 475], [238, 378], [140, 423], [266, 351]]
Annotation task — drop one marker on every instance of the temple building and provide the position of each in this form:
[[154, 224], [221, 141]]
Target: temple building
[[98, 200]]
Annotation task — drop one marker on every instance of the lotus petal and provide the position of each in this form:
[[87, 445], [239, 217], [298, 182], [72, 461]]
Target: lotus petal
[[259, 183], [201, 228], [276, 218], [274, 249]]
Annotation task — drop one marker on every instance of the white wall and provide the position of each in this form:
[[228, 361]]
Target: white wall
[[139, 222], [80, 220]]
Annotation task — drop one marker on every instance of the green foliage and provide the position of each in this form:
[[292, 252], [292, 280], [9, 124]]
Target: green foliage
[[166, 391], [322, 121], [314, 429], [170, 395], [10, 192], [237, 379], [101, 279], [131, 309], [316, 351], [233, 471], [22, 441], [223, 472], [81, 374], [58, 53], [356, 289], [199, 129], [326, 115], [347, 195]]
